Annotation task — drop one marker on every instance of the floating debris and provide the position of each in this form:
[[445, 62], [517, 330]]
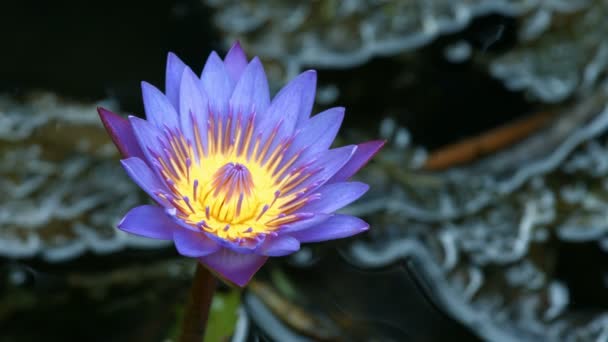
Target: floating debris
[[338, 34], [63, 191], [488, 233], [560, 48], [563, 51]]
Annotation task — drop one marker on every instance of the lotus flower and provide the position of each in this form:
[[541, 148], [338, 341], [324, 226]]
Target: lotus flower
[[236, 177]]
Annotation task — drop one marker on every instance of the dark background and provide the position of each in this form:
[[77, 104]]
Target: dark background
[[94, 50]]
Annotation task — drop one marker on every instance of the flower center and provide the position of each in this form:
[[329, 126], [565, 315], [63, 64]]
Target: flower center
[[236, 186], [232, 185]]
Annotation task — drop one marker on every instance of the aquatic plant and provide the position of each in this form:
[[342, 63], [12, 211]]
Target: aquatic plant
[[235, 176]]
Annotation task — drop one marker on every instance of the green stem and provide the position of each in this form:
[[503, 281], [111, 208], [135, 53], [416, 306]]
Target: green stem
[[196, 312]]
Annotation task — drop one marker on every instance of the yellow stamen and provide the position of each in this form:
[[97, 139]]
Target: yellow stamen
[[225, 192]]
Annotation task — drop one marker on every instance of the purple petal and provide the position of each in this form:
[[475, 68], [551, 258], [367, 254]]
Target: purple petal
[[362, 155], [141, 174], [335, 227], [147, 136], [335, 196], [173, 78], [159, 111], [317, 134], [193, 105], [325, 166], [235, 62], [304, 224], [193, 244], [246, 246], [279, 246], [149, 221], [251, 91], [234, 267], [309, 89], [121, 133], [291, 104], [217, 84]]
